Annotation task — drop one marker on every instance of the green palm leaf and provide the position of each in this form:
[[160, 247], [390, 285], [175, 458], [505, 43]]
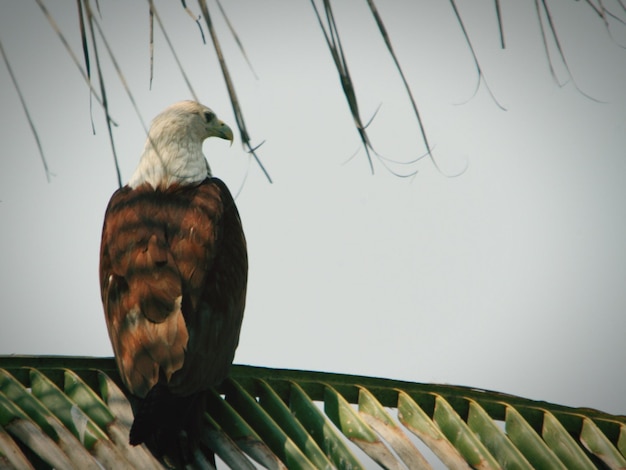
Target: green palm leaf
[[63, 412]]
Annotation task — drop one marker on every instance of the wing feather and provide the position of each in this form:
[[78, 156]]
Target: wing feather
[[173, 273]]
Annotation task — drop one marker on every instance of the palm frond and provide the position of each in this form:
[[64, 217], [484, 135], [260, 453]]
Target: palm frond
[[608, 14], [55, 410]]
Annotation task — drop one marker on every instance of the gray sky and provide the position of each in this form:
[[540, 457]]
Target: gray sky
[[509, 277]]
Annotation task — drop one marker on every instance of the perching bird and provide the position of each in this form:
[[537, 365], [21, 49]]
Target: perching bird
[[173, 276]]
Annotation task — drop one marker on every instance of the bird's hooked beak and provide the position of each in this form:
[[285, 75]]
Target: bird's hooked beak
[[224, 132]]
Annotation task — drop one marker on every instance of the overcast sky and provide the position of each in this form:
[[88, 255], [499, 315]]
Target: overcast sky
[[510, 277]]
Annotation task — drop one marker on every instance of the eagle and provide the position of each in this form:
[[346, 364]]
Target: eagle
[[173, 277]]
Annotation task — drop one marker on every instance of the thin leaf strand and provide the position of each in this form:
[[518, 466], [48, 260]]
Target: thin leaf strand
[[195, 18], [603, 14], [333, 42], [481, 75], [151, 39], [236, 38], [557, 43], [245, 138], [500, 26], [105, 103], [119, 72], [387, 40], [122, 79], [26, 112], [545, 45], [69, 50], [83, 40], [171, 46]]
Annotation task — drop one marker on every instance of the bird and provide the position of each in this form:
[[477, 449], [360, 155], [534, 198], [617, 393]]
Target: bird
[[173, 278]]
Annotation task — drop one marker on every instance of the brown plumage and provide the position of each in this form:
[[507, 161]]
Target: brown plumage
[[173, 274]]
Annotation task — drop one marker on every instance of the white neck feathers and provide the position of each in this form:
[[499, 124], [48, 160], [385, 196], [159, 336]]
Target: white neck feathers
[[170, 161], [173, 151]]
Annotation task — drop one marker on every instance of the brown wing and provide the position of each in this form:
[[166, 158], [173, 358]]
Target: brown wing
[[173, 274]]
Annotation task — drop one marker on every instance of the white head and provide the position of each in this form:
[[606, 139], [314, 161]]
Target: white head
[[173, 151]]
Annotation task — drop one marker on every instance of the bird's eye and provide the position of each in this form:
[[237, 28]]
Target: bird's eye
[[209, 116]]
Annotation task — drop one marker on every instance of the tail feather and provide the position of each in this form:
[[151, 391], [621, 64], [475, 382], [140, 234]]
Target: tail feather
[[169, 425]]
